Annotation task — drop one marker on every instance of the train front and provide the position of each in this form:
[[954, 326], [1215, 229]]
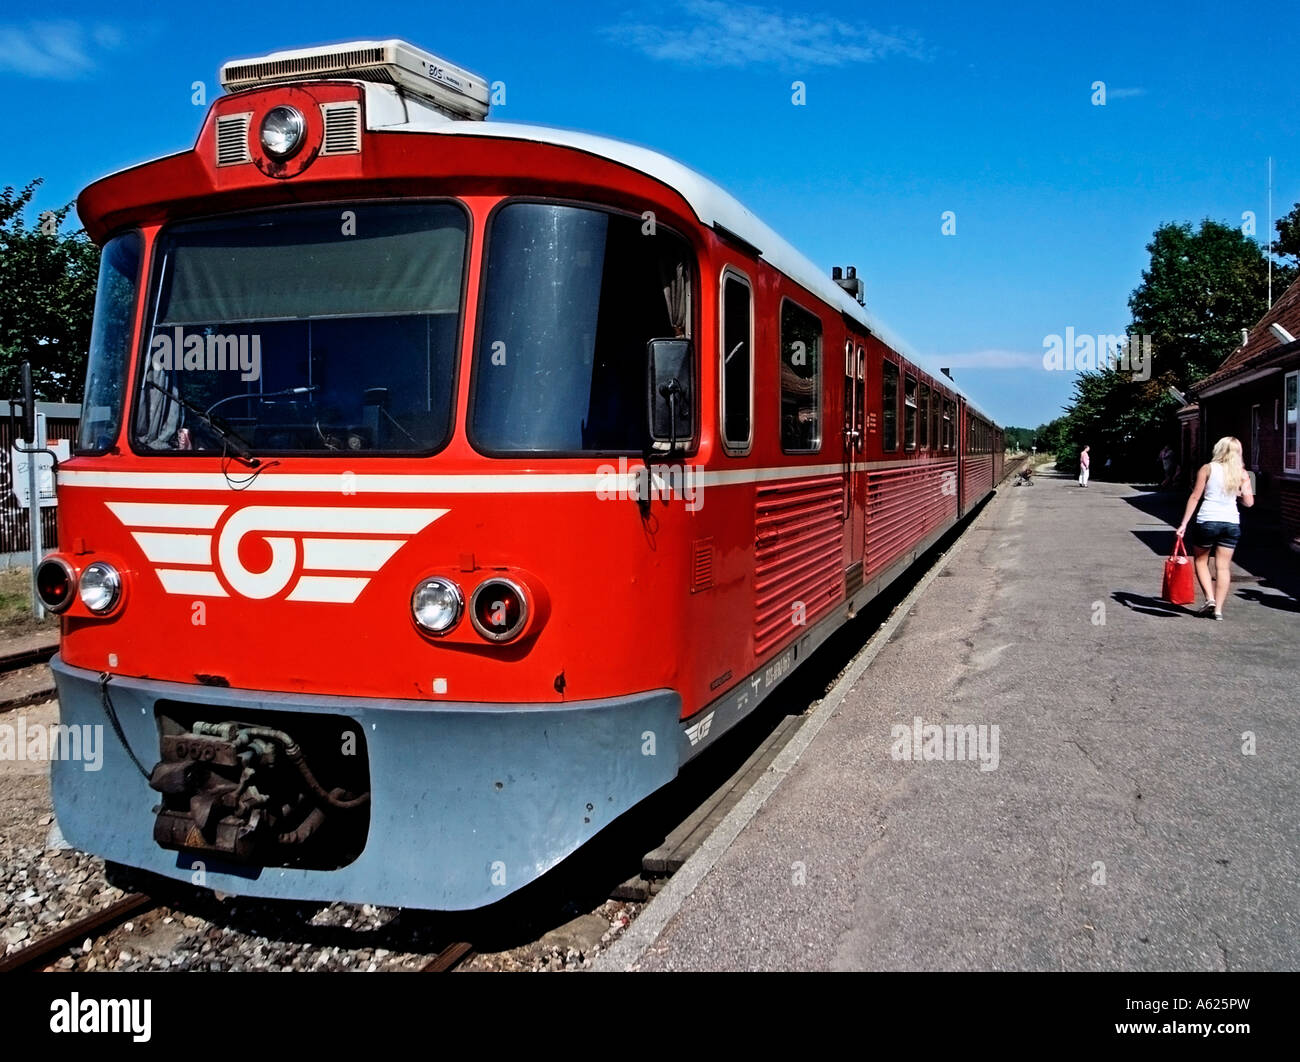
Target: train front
[[337, 624]]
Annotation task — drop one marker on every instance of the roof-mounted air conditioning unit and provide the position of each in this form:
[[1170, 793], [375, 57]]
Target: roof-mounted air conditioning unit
[[452, 90]]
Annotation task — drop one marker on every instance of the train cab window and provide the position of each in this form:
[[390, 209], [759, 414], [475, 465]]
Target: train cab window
[[889, 407], [909, 413], [737, 355], [110, 343], [924, 441], [801, 379], [571, 298]]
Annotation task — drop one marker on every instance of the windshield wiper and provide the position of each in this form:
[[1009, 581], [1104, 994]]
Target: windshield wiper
[[237, 446]]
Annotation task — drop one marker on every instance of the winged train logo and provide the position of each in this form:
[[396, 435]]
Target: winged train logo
[[699, 731], [316, 553]]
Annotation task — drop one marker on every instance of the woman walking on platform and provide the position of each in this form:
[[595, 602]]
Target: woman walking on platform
[[1218, 524], [1084, 464]]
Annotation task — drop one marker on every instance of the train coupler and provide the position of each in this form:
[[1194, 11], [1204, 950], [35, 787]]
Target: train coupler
[[246, 792]]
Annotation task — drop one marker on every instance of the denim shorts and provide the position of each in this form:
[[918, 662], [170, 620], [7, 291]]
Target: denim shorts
[[1211, 533]]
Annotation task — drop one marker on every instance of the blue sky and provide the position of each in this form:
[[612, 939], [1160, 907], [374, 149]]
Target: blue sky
[[911, 110]]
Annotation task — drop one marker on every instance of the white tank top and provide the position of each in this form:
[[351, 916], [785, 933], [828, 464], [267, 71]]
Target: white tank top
[[1218, 504]]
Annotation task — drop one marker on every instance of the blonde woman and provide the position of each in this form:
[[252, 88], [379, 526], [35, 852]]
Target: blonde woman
[[1218, 524]]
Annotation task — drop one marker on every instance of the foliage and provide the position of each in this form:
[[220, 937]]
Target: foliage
[[1018, 440], [1287, 243], [1199, 291], [47, 296]]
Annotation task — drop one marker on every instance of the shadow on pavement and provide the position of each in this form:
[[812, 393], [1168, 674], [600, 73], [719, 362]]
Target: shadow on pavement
[[1150, 606]]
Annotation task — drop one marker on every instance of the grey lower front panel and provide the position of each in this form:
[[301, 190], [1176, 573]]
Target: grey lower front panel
[[469, 802]]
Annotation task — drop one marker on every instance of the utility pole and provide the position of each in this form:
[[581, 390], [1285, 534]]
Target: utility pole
[[1268, 239], [34, 508]]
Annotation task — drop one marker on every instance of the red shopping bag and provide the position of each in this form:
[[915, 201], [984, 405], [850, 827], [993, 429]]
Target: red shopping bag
[[1179, 587]]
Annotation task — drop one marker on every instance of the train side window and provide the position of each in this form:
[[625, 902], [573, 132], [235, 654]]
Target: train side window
[[889, 407], [737, 368], [924, 441], [909, 412], [949, 411], [801, 380]]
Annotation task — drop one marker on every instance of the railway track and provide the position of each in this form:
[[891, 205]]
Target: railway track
[[26, 689], [41, 953], [27, 657]]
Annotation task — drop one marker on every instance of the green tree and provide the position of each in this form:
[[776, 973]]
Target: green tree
[[1050, 438], [47, 297], [1123, 420], [1018, 438], [1199, 291], [1287, 244]]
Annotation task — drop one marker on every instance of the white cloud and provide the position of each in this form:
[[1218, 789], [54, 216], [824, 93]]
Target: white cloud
[[717, 33], [60, 50]]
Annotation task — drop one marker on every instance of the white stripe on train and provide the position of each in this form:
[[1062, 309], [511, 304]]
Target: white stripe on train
[[469, 483]]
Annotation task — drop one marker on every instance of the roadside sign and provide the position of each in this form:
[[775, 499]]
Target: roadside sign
[[44, 470]]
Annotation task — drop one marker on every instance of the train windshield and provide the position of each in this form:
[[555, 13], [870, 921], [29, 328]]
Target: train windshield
[[309, 329], [571, 298]]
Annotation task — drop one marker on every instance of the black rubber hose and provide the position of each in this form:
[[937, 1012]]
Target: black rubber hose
[[294, 754], [307, 827]]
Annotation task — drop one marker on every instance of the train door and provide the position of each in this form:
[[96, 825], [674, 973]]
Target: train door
[[961, 449], [855, 400]]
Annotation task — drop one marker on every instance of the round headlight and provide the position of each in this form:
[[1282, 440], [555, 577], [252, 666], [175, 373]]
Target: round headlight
[[54, 584], [499, 610], [437, 605], [282, 131], [100, 588]]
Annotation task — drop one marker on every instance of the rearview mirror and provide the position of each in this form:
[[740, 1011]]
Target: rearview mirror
[[671, 391]]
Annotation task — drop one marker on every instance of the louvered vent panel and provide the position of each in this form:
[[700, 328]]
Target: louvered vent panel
[[904, 505], [701, 565], [342, 128], [799, 550], [351, 62], [978, 477], [232, 139]]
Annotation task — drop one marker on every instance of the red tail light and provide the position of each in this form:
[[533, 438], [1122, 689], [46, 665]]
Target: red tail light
[[499, 610], [55, 584]]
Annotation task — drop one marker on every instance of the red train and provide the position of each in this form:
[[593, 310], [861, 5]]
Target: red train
[[360, 563]]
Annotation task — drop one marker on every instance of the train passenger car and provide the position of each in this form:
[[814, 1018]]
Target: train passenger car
[[444, 485]]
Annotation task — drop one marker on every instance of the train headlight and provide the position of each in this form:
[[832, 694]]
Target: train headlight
[[55, 584], [437, 605], [282, 132], [101, 587], [499, 610]]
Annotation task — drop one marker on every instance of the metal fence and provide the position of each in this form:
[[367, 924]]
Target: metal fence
[[15, 542]]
